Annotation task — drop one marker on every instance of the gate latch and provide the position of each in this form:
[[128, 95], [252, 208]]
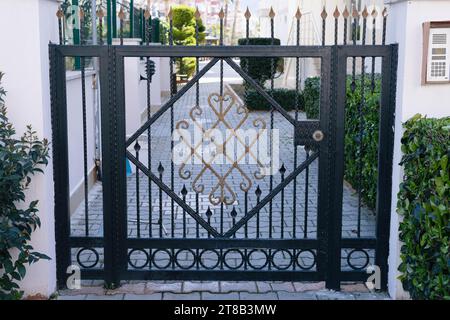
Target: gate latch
[[308, 133]]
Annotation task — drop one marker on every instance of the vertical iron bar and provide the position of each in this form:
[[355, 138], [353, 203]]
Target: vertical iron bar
[[100, 15], [137, 148], [361, 107], [184, 193], [272, 72], [345, 14], [114, 18], [131, 18], [298, 16], [121, 18], [385, 14], [160, 220], [145, 17], [336, 15], [355, 15], [109, 15], [282, 172], [374, 20], [60, 16], [85, 161], [324, 21], [172, 177], [305, 222], [258, 197]]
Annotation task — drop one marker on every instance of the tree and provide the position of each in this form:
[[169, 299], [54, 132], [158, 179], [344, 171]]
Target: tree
[[184, 22]]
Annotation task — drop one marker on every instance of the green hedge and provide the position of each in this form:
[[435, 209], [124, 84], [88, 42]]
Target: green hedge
[[311, 96], [424, 203], [259, 69], [367, 180], [285, 97]]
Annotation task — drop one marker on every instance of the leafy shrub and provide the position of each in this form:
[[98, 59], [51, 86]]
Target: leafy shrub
[[366, 181], [285, 97], [259, 69], [424, 203], [19, 160], [311, 96]]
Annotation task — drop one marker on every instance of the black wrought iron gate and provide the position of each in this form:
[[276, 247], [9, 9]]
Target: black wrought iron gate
[[227, 221]]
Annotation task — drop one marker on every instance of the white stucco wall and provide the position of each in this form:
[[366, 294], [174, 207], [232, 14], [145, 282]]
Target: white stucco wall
[[26, 27], [405, 28]]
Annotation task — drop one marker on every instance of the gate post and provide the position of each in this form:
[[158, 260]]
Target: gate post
[[113, 163], [385, 156], [60, 163], [336, 176]]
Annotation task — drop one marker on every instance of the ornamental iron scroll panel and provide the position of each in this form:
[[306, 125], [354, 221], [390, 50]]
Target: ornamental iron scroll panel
[[217, 240]]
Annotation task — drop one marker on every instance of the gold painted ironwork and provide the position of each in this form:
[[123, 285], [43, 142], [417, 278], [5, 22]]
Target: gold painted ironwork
[[221, 107]]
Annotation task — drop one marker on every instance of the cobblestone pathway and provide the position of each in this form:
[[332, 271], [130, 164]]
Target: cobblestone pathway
[[195, 290], [284, 220]]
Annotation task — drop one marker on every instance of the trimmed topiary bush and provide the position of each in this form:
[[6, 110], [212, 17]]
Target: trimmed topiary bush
[[285, 97], [367, 180], [424, 204], [259, 69]]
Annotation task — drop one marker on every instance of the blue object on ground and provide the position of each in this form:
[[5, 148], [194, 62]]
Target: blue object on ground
[[128, 167]]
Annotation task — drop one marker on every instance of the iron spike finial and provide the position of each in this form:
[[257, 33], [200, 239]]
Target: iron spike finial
[[346, 13], [336, 13], [298, 14], [170, 13], [283, 169], [137, 146], [258, 191], [324, 13], [160, 168], [247, 14], [197, 14], [233, 212], [355, 13], [365, 13], [385, 12], [100, 13], [60, 13], [208, 212], [271, 13], [184, 190], [374, 13], [121, 14], [221, 14]]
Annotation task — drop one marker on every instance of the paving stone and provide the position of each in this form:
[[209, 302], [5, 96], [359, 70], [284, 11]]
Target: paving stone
[[258, 296], [283, 295], [220, 296], [181, 296], [99, 290], [371, 296], [263, 287], [154, 286], [308, 286], [334, 295], [105, 297], [152, 296], [191, 286], [72, 297], [133, 288], [245, 286], [282, 286], [356, 287]]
